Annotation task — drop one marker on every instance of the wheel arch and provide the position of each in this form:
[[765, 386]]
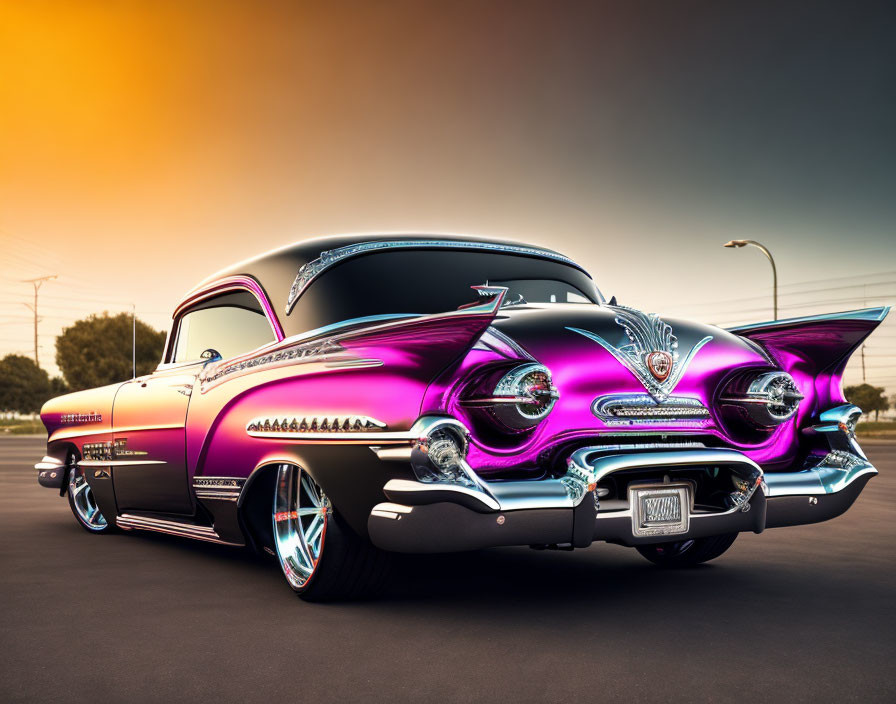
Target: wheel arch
[[256, 500]]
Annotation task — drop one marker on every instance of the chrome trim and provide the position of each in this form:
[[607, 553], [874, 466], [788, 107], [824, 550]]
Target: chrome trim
[[827, 477], [647, 333], [49, 463], [219, 482], [772, 398], [493, 339], [116, 463], [655, 412], [220, 488], [875, 314], [328, 258], [839, 427], [586, 467], [409, 487], [75, 433], [390, 510], [328, 351], [841, 466], [183, 530], [602, 466], [420, 430], [314, 426]]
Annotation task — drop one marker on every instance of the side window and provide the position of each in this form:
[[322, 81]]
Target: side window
[[231, 324]]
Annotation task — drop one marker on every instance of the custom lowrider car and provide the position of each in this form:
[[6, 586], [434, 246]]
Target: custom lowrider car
[[344, 398]]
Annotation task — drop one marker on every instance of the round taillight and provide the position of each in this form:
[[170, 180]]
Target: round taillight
[[768, 398], [524, 396]]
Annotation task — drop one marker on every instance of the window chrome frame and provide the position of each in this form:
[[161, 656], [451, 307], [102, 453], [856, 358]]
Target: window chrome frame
[[223, 286], [310, 271]]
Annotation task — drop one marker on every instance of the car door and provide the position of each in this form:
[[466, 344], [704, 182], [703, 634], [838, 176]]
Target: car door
[[150, 413], [149, 416]]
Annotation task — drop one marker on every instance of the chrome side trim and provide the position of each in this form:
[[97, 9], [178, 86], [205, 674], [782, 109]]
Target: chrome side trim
[[421, 429], [876, 314], [825, 478], [117, 463], [310, 271], [66, 433], [220, 488], [158, 525], [314, 425]]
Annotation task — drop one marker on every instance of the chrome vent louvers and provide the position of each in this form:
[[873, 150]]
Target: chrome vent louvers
[[316, 424]]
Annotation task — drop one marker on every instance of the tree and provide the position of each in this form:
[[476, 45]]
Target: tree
[[868, 398], [97, 350], [24, 386]]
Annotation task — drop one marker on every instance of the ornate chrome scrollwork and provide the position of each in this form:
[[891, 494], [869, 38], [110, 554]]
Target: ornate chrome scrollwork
[[649, 336]]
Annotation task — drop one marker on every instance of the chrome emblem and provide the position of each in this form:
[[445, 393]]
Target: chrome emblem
[[652, 350], [660, 364]]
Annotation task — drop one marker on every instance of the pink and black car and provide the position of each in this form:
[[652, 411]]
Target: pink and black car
[[344, 398]]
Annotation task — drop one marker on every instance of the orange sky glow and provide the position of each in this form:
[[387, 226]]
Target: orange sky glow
[[145, 145]]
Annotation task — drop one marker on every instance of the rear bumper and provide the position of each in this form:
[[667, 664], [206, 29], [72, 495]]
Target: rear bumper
[[422, 518]]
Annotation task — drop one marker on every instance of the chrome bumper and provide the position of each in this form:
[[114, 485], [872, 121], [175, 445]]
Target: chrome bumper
[[441, 517]]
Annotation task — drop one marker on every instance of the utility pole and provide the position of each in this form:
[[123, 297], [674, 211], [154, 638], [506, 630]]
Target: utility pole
[[134, 340], [33, 308]]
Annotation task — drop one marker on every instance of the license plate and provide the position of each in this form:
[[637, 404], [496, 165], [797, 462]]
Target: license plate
[[662, 509]]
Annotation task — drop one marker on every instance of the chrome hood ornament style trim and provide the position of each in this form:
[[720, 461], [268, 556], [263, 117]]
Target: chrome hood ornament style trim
[[652, 353], [310, 271]]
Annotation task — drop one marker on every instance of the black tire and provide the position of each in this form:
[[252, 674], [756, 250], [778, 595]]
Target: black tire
[[337, 565], [687, 553], [350, 567]]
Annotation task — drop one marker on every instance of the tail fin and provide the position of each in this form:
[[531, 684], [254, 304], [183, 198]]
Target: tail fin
[[816, 346], [429, 342]]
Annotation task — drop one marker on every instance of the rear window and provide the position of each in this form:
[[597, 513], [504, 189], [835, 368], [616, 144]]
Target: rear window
[[422, 281]]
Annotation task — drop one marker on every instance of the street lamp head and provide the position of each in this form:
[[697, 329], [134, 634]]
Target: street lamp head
[[736, 243]]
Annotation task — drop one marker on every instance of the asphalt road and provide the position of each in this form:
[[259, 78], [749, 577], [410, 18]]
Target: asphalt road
[[795, 614]]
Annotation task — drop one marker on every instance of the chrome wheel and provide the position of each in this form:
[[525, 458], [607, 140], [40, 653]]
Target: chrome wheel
[[83, 501], [301, 514]]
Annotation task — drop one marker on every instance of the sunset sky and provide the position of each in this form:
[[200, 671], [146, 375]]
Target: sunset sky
[[145, 145]]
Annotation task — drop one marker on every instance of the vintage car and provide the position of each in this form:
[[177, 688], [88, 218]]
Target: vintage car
[[345, 398]]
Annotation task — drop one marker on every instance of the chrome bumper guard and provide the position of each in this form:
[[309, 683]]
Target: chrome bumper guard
[[445, 517]]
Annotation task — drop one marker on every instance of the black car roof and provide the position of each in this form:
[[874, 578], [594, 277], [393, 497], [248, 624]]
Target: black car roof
[[276, 270]]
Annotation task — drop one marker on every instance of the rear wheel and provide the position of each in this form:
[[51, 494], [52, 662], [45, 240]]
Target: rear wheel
[[687, 553], [83, 502], [321, 557]]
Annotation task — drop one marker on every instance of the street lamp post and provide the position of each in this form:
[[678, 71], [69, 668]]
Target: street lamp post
[[753, 243]]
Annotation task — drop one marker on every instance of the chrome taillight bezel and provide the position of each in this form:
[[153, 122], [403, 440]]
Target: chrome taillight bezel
[[768, 398], [521, 398]]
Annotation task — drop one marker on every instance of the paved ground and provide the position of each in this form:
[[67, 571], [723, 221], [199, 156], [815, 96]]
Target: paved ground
[[795, 614]]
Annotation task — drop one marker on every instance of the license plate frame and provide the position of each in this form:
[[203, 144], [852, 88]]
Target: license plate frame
[[654, 509]]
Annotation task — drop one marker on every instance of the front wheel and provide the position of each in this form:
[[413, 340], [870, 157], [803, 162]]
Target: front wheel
[[83, 502], [687, 553], [321, 557]]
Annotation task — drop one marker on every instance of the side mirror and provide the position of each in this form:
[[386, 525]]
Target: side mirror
[[210, 355]]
